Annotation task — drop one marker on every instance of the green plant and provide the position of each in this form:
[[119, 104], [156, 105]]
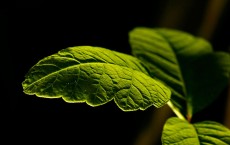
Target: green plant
[[169, 66]]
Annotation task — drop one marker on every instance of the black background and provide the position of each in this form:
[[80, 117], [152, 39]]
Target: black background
[[38, 29]]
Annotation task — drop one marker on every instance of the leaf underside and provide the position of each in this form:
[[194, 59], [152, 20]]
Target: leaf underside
[[194, 73], [96, 76], [180, 132]]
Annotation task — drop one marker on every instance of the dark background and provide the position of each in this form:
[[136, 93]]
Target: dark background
[[37, 29]]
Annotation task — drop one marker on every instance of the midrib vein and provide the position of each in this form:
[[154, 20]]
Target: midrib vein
[[69, 67], [177, 62]]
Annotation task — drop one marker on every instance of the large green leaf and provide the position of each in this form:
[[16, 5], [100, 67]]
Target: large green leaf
[[180, 132], [187, 64], [96, 76]]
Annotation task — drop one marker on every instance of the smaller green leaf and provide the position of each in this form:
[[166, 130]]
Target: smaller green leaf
[[96, 76], [181, 132], [213, 133]]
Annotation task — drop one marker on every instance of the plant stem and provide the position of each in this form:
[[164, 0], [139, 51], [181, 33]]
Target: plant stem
[[175, 110], [189, 111]]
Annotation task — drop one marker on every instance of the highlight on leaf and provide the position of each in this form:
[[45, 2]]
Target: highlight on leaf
[[96, 76]]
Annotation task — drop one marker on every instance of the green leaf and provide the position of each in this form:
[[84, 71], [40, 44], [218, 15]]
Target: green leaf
[[194, 73], [206, 78], [180, 132], [213, 133], [96, 76]]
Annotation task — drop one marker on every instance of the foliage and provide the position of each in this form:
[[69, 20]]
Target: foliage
[[167, 66]]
